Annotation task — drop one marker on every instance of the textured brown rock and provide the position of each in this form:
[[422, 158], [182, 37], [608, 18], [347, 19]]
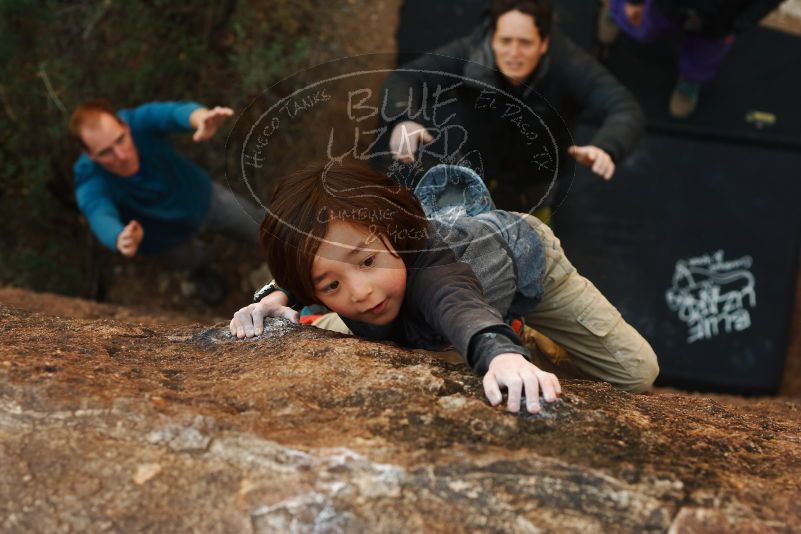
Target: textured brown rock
[[113, 426]]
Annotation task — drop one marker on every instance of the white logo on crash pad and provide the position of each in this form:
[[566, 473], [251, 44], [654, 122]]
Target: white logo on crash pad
[[711, 295]]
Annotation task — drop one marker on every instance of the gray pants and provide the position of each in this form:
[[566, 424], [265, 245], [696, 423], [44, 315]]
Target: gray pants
[[230, 215]]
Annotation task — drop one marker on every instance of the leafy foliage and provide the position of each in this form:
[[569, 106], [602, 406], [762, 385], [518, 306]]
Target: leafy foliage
[[57, 54]]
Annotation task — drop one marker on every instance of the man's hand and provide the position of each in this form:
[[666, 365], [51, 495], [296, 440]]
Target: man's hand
[[518, 374], [207, 121], [128, 240], [405, 138], [634, 12], [600, 161], [249, 321]]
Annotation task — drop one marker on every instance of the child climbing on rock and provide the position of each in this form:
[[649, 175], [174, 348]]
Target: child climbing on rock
[[447, 272]]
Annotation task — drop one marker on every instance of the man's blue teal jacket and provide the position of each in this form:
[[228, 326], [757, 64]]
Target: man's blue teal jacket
[[169, 196]]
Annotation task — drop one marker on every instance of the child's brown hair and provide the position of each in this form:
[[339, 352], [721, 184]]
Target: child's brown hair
[[304, 203]]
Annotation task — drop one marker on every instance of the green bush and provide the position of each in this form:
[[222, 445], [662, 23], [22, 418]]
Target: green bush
[[57, 54]]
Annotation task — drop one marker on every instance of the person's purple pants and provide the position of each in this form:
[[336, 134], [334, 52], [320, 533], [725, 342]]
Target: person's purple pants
[[699, 57]]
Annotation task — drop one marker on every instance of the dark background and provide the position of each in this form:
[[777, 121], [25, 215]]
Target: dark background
[[716, 181]]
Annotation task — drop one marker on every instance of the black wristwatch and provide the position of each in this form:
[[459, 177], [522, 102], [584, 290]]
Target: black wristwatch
[[272, 287]]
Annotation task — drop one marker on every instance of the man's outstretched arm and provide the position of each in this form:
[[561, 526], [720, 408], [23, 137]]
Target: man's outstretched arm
[[104, 219], [605, 99], [95, 203], [178, 117]]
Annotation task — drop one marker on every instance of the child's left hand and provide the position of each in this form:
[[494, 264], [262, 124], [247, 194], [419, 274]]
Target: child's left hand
[[518, 374]]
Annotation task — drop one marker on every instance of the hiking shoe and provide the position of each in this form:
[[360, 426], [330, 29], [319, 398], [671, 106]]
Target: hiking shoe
[[209, 286], [684, 99], [607, 30]]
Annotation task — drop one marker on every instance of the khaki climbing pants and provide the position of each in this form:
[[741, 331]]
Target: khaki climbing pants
[[578, 318], [578, 332]]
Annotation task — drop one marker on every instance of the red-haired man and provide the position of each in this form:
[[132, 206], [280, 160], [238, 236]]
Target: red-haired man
[[141, 196]]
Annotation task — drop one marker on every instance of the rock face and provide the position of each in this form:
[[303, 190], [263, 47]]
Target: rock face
[[119, 427]]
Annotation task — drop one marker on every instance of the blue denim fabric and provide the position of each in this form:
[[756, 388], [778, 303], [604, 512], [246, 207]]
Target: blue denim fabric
[[457, 197], [450, 191]]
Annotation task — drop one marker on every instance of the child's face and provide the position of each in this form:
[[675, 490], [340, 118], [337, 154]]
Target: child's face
[[356, 276]]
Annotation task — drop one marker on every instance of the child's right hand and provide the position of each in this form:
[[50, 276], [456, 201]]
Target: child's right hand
[[518, 374], [249, 321]]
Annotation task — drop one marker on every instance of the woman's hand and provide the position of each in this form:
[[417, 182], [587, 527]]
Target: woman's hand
[[597, 159], [249, 321], [518, 375]]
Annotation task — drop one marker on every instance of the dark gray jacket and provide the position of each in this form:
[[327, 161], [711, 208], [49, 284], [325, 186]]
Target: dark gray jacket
[[515, 137], [475, 276]]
